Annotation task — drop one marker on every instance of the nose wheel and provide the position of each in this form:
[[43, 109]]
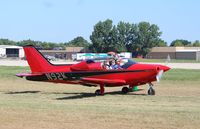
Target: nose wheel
[[151, 90]]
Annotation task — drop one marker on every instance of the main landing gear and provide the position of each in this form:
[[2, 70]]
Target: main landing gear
[[125, 90], [151, 90], [100, 91]]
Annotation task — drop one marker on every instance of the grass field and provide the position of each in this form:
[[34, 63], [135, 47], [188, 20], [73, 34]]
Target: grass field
[[37, 105]]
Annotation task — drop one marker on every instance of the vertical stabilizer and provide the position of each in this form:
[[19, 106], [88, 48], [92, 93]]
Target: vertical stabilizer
[[37, 62]]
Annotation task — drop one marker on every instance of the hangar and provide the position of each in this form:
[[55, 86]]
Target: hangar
[[188, 53], [11, 51], [63, 54]]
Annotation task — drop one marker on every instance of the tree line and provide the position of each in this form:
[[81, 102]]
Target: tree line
[[137, 38], [76, 42]]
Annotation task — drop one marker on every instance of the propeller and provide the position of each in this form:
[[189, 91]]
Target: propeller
[[159, 75]]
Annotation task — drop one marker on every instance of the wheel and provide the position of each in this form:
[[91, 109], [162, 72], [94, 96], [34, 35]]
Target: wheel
[[151, 91], [98, 92], [125, 90]]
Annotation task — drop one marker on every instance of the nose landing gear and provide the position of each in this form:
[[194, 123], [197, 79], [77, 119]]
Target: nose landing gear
[[151, 90]]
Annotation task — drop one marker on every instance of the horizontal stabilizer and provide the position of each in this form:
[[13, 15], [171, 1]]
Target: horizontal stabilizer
[[27, 74]]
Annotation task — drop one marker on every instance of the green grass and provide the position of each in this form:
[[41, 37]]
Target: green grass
[[182, 75], [26, 104], [10, 71]]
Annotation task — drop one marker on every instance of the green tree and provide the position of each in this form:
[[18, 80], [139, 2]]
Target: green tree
[[78, 42], [28, 42], [45, 45], [104, 37], [196, 43], [125, 34], [38, 44], [147, 36], [162, 43], [137, 38], [100, 35], [180, 42], [7, 42]]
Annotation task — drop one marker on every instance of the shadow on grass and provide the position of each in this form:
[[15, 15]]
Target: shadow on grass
[[22, 92], [75, 95], [88, 95]]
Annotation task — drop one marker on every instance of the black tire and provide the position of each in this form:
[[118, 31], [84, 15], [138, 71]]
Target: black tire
[[151, 91], [125, 90], [98, 92]]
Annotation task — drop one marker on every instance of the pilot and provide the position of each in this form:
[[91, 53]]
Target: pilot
[[107, 64], [110, 63], [113, 62], [116, 65]]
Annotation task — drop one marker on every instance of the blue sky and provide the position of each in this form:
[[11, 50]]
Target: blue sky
[[63, 20]]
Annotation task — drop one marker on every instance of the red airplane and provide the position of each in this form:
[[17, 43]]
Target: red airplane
[[91, 73]]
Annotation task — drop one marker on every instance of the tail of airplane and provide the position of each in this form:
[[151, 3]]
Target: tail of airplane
[[38, 63]]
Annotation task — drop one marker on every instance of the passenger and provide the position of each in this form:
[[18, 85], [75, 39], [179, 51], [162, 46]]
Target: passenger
[[119, 64], [116, 57], [113, 62], [106, 65]]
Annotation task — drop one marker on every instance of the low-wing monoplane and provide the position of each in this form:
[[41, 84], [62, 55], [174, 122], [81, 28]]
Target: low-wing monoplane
[[90, 73]]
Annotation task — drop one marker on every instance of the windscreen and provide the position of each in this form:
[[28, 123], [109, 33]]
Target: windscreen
[[127, 63]]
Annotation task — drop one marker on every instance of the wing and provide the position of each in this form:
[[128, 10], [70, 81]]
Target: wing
[[104, 81]]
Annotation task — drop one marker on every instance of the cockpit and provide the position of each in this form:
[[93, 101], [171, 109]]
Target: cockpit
[[108, 64], [117, 64], [127, 63]]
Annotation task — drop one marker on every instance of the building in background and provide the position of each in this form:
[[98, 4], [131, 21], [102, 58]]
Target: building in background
[[188, 53], [63, 54], [11, 51]]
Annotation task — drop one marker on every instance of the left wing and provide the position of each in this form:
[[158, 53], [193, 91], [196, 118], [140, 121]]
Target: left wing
[[104, 81]]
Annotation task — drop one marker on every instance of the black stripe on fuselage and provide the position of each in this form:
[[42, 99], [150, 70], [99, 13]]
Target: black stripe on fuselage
[[70, 76]]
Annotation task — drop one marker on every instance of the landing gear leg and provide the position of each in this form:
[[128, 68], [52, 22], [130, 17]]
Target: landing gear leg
[[100, 91], [151, 90]]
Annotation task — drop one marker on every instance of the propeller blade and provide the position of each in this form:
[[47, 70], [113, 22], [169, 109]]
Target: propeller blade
[[159, 75]]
